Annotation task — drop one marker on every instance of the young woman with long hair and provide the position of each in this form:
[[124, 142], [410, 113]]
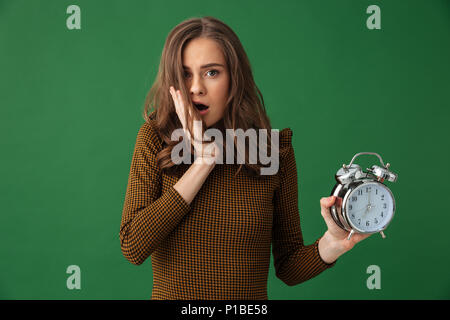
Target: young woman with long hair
[[209, 227]]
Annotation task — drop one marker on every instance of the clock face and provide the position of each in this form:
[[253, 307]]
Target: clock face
[[370, 207]]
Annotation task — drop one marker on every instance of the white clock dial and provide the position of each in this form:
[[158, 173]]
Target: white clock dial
[[370, 207]]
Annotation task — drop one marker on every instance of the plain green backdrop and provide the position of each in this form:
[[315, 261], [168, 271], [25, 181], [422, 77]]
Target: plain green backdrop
[[71, 103]]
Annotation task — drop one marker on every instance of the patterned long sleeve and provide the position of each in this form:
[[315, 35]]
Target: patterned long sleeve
[[294, 262], [149, 215], [219, 245]]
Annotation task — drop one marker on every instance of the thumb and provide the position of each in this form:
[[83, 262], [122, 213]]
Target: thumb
[[332, 200], [327, 202]]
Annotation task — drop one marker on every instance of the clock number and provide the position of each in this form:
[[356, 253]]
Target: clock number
[[350, 207], [382, 214], [360, 192], [376, 221], [368, 189], [376, 191], [384, 205], [367, 223], [354, 198], [359, 221], [382, 197]]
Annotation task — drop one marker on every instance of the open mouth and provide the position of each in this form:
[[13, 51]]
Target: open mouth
[[201, 107]]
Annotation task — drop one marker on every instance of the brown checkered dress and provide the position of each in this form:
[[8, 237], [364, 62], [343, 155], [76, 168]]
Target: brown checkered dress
[[217, 247]]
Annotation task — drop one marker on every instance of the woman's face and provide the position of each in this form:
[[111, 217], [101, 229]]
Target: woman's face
[[207, 77]]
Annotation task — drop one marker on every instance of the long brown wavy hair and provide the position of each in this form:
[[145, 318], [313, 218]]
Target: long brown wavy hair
[[245, 105]]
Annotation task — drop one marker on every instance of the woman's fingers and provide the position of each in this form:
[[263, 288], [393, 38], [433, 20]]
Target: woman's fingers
[[179, 108], [196, 126], [325, 205], [209, 150], [327, 202], [175, 101]]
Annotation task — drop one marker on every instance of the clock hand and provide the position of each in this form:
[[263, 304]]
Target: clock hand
[[364, 215], [369, 208]]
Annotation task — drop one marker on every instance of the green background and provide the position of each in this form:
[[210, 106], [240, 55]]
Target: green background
[[71, 103]]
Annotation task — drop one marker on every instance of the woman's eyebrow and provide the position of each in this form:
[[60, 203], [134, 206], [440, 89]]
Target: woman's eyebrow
[[207, 65]]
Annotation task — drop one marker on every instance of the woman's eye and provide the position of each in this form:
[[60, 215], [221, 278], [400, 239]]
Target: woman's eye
[[215, 72]]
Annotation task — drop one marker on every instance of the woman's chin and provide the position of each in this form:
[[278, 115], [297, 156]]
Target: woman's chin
[[216, 125]]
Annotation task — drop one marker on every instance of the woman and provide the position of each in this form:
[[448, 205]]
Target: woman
[[209, 227]]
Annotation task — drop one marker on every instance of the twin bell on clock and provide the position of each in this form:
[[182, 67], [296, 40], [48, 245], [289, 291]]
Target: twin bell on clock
[[363, 204]]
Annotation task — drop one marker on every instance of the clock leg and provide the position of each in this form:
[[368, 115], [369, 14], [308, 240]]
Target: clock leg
[[382, 234], [350, 234]]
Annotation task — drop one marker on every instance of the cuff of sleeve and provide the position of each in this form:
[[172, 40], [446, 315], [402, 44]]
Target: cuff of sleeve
[[326, 265], [179, 202]]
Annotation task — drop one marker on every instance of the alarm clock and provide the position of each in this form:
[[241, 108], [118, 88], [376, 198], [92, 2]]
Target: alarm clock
[[364, 204]]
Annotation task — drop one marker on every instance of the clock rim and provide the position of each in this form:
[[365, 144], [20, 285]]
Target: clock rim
[[352, 187]]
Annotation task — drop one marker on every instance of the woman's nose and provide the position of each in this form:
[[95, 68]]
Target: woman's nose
[[197, 87]]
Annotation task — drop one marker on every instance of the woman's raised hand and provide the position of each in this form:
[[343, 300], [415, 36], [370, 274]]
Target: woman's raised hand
[[205, 153]]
